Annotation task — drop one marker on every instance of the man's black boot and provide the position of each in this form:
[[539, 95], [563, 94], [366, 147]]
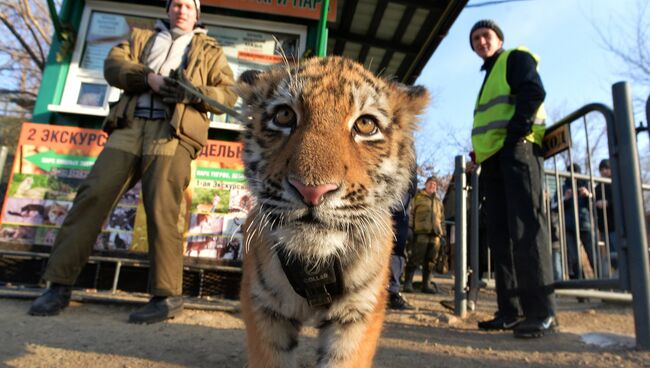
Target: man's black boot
[[52, 301], [535, 327], [158, 309], [500, 323], [398, 302]]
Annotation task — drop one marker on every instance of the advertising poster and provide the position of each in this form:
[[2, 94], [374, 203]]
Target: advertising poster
[[51, 161], [219, 204], [247, 49]]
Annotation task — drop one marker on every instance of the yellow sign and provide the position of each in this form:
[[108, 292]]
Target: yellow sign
[[294, 8], [556, 140]]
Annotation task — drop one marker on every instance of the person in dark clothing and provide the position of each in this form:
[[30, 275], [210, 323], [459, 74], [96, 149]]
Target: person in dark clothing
[[398, 257], [583, 228], [605, 211], [506, 137]]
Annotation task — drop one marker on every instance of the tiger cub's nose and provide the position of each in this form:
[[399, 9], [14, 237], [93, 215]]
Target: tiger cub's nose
[[312, 195]]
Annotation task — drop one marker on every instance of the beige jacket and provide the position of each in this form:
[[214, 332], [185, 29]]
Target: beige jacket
[[206, 68], [427, 214]]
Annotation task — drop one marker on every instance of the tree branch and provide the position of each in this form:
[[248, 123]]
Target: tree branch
[[30, 24], [20, 39], [28, 14]]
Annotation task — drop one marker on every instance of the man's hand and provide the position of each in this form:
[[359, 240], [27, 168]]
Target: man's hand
[[172, 92], [155, 81]]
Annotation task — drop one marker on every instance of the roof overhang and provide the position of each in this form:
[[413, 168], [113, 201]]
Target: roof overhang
[[394, 38]]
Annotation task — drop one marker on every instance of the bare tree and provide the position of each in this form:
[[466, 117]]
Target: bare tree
[[24, 47], [631, 45]]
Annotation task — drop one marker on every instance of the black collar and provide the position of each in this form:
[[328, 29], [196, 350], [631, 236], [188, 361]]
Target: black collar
[[319, 285], [489, 62]]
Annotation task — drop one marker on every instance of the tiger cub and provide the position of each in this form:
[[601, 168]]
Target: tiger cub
[[327, 152]]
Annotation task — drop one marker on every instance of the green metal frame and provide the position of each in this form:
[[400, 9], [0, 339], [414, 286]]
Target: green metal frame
[[53, 79], [321, 47]]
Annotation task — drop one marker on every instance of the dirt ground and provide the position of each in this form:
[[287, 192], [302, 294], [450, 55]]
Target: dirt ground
[[97, 335]]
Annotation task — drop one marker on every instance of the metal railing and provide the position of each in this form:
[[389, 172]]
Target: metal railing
[[633, 263]]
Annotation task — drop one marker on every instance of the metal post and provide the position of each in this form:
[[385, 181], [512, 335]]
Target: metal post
[[460, 265], [635, 242], [474, 241], [595, 251], [647, 114], [321, 48], [4, 151], [56, 22], [116, 277]]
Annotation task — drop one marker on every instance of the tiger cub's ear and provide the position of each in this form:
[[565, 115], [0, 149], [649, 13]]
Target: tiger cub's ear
[[249, 76], [246, 83], [412, 98]]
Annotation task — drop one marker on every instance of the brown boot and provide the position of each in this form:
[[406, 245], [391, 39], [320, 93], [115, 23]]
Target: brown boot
[[426, 277]]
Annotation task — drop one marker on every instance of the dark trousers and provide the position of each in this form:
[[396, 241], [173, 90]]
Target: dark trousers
[[573, 251], [164, 178], [517, 230]]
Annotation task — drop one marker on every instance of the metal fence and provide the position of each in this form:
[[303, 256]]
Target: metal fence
[[585, 257]]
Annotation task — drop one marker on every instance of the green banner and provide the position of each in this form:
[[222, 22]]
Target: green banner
[[226, 175], [49, 159]]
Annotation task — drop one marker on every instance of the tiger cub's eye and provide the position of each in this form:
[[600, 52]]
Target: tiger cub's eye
[[284, 117], [366, 125]]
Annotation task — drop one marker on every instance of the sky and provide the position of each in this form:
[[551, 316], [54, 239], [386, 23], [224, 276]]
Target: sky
[[575, 67]]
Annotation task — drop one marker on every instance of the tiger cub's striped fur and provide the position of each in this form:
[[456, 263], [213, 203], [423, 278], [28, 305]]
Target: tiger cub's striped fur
[[327, 154]]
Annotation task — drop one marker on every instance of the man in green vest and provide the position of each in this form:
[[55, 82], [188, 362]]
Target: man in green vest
[[506, 137]]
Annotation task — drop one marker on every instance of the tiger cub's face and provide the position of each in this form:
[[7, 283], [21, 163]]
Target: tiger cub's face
[[327, 153]]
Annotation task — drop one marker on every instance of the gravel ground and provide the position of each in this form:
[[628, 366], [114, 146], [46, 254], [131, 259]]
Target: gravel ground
[[97, 335]]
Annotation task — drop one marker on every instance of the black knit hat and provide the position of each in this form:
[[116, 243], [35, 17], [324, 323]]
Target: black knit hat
[[604, 164], [197, 5], [485, 23]]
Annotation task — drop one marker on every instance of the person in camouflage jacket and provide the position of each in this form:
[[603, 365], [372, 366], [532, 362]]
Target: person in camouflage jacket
[[427, 224]]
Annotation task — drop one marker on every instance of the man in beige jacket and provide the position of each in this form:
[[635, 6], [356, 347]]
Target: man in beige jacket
[[427, 223], [156, 129]]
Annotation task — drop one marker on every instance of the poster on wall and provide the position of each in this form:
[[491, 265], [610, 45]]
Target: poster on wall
[[247, 49], [106, 30], [220, 202], [51, 161]]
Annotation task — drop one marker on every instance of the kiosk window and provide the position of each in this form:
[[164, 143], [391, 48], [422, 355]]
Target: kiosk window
[[257, 45]]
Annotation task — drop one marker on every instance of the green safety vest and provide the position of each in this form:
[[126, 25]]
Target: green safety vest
[[495, 107]]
